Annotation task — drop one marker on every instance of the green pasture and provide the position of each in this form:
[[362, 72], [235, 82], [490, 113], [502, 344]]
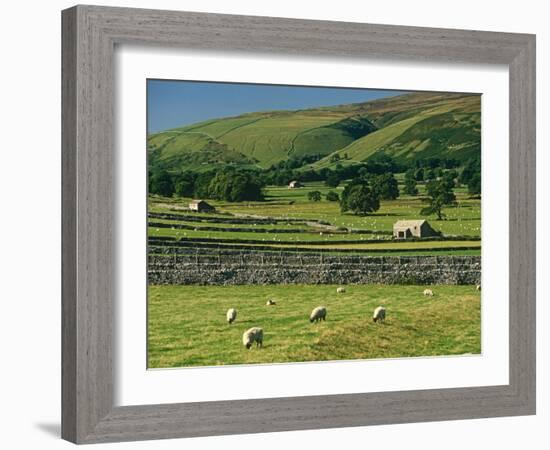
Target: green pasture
[[282, 203], [187, 325]]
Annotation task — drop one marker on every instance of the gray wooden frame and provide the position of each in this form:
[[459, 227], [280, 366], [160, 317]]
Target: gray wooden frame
[[89, 37]]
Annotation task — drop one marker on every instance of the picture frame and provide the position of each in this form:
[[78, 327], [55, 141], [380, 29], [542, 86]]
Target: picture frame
[[90, 34]]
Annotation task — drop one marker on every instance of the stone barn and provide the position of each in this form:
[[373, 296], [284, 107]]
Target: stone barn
[[294, 184], [201, 206], [404, 229]]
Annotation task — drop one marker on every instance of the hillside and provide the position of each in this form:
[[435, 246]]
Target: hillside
[[408, 126]]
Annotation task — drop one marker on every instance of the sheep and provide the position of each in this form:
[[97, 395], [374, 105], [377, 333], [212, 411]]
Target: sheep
[[340, 290], [270, 302], [254, 334], [231, 315], [319, 313], [478, 287], [428, 292], [379, 314]]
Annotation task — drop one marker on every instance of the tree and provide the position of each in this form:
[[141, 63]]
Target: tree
[[333, 180], [332, 196], [185, 185], [474, 184], [202, 184], [450, 176], [419, 174], [283, 177], [429, 175], [314, 196], [410, 183], [381, 163], [471, 176], [385, 186], [161, 183], [440, 194], [359, 198], [472, 168], [235, 186]]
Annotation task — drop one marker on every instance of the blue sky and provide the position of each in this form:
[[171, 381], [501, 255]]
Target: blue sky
[[172, 104]]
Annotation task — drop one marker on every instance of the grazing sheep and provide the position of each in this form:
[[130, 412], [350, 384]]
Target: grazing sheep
[[319, 313], [379, 314], [231, 315], [254, 334], [270, 302], [478, 287], [340, 290], [428, 292]]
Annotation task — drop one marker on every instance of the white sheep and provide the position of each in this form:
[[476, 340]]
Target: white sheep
[[428, 292], [478, 287], [340, 290], [319, 313], [254, 334], [379, 314], [270, 302], [231, 315]]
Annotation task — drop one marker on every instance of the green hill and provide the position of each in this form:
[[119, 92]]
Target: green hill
[[408, 126]]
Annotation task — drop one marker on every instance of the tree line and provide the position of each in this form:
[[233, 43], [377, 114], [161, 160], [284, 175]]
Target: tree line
[[370, 182], [230, 184]]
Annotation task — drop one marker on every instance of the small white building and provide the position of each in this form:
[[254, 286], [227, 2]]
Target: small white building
[[295, 184], [200, 206]]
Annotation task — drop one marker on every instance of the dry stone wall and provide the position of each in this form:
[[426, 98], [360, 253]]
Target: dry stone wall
[[256, 267]]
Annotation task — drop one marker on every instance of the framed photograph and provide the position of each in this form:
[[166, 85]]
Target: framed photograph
[[277, 224]]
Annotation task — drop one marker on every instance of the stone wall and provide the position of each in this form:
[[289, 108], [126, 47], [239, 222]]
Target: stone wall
[[255, 267]]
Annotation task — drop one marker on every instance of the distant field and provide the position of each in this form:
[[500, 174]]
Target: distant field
[[293, 206], [187, 327]]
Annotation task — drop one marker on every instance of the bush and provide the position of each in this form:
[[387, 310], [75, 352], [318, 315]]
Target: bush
[[332, 196], [314, 196], [333, 180]]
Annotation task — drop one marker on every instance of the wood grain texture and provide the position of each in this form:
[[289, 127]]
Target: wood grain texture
[[68, 227], [90, 34]]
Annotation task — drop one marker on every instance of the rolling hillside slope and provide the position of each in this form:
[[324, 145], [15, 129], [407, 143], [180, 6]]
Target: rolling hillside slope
[[408, 126]]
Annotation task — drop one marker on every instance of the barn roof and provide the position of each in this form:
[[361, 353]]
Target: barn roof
[[196, 202], [408, 223]]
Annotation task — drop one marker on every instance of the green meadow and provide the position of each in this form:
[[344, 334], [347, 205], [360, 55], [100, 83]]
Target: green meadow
[[308, 224], [187, 324]]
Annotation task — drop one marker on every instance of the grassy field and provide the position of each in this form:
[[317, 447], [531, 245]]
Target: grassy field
[[346, 231], [187, 325]]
